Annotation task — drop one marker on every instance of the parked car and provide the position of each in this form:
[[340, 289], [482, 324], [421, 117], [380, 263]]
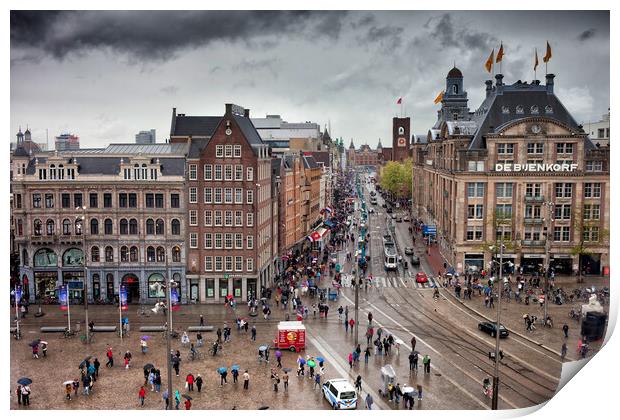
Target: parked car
[[406, 219], [415, 260], [399, 219], [490, 328], [408, 251], [389, 209], [421, 277], [340, 394]]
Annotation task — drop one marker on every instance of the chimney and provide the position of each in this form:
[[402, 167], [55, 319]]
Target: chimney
[[489, 89], [246, 113], [499, 83], [228, 108], [550, 78]]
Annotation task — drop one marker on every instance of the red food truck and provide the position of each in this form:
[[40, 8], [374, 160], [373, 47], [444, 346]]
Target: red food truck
[[291, 335]]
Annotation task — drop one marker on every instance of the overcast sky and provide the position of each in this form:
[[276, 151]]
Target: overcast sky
[[107, 75]]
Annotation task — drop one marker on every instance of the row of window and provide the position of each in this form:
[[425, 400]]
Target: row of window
[[126, 227], [228, 263], [56, 172], [140, 172], [225, 241], [220, 195], [221, 172], [520, 109], [560, 234], [151, 200], [562, 190], [132, 254], [533, 211], [222, 218], [228, 150], [534, 148]]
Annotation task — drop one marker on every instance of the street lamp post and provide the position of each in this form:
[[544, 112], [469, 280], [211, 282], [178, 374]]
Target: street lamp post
[[550, 207], [169, 331], [497, 329], [83, 233]]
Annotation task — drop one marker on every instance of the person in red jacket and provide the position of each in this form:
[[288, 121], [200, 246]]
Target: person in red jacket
[[188, 404], [142, 394], [351, 324], [189, 379]]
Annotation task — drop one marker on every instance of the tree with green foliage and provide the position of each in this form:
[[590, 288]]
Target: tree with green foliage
[[396, 178], [583, 229]]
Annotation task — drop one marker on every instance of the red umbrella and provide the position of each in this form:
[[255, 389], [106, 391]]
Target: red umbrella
[[229, 297]]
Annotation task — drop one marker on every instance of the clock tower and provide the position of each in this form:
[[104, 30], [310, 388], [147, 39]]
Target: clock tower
[[401, 138]]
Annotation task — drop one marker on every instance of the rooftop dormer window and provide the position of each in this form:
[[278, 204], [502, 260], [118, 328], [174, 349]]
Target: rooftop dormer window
[[505, 110], [548, 109], [534, 109], [519, 109]]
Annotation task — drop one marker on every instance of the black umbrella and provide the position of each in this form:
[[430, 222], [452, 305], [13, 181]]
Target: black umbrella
[[264, 407], [187, 397], [86, 359], [148, 366], [287, 370], [24, 381], [35, 342]]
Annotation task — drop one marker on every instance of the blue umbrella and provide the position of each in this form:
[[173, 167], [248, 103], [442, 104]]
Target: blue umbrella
[[24, 381], [145, 337], [234, 367], [221, 370], [301, 360], [320, 359]]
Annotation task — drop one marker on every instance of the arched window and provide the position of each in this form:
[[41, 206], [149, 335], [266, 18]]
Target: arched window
[[133, 227], [66, 227], [45, 258], [124, 253], [94, 226], [150, 254], [94, 254], [73, 257], [136, 171], [133, 254], [176, 253], [150, 227], [401, 130], [124, 227], [144, 171], [176, 227], [37, 228], [109, 254], [78, 226], [455, 89], [107, 226], [161, 254], [159, 227], [49, 227]]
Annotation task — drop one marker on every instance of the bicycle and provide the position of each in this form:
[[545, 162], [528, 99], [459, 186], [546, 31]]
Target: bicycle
[[125, 333], [88, 339], [195, 355], [67, 333]]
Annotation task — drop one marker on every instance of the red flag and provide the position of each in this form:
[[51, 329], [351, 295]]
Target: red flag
[[400, 101]]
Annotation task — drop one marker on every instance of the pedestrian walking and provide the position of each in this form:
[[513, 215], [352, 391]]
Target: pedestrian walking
[[26, 395], [351, 324], [285, 381], [358, 383], [189, 382], [276, 381], [188, 404], [253, 332], [110, 356], [157, 380], [426, 361], [369, 401], [18, 392], [166, 397], [420, 392], [177, 399], [68, 389], [564, 351], [223, 376], [366, 355], [141, 395], [44, 348], [351, 360], [246, 380], [235, 373], [317, 380], [413, 343], [202, 320], [127, 359], [565, 329], [279, 359], [346, 326], [96, 365], [35, 350], [340, 310], [86, 384], [143, 346]]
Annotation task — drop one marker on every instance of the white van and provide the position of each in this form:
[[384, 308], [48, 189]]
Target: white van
[[340, 394]]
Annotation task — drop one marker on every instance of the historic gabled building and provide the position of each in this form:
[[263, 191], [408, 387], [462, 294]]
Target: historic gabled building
[[520, 156], [229, 204]]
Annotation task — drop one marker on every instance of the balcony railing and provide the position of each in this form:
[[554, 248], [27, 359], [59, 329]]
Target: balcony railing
[[533, 220], [534, 198], [529, 242]]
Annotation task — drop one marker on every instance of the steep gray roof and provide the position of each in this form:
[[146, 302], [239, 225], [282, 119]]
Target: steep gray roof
[[195, 126], [248, 130], [105, 165], [196, 147], [309, 162]]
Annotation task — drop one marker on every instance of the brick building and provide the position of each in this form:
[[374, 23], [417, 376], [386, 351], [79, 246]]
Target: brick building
[[229, 204], [522, 155]]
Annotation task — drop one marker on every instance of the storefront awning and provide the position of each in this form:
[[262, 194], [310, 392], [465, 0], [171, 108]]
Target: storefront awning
[[317, 235]]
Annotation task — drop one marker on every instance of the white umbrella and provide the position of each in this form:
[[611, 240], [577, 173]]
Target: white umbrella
[[67, 382]]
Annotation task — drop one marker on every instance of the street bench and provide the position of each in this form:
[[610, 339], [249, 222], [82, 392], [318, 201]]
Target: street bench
[[105, 328], [53, 329], [200, 328], [153, 328]]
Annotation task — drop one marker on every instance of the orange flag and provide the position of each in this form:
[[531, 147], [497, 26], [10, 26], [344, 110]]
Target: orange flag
[[439, 97], [489, 64], [548, 53], [500, 53], [535, 59]]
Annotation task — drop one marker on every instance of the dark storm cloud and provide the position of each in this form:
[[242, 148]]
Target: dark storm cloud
[[158, 35], [246, 66], [445, 30], [585, 35], [387, 36]]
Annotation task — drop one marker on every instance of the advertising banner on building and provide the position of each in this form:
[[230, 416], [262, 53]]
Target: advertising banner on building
[[123, 297], [63, 297]]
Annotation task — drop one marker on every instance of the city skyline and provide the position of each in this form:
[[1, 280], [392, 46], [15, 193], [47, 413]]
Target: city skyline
[[296, 64]]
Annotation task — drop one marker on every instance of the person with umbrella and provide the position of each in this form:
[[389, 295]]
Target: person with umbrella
[[198, 382], [223, 374], [279, 358], [143, 346], [76, 386], [235, 372], [302, 363], [141, 395], [44, 348], [188, 402], [311, 365], [151, 379]]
